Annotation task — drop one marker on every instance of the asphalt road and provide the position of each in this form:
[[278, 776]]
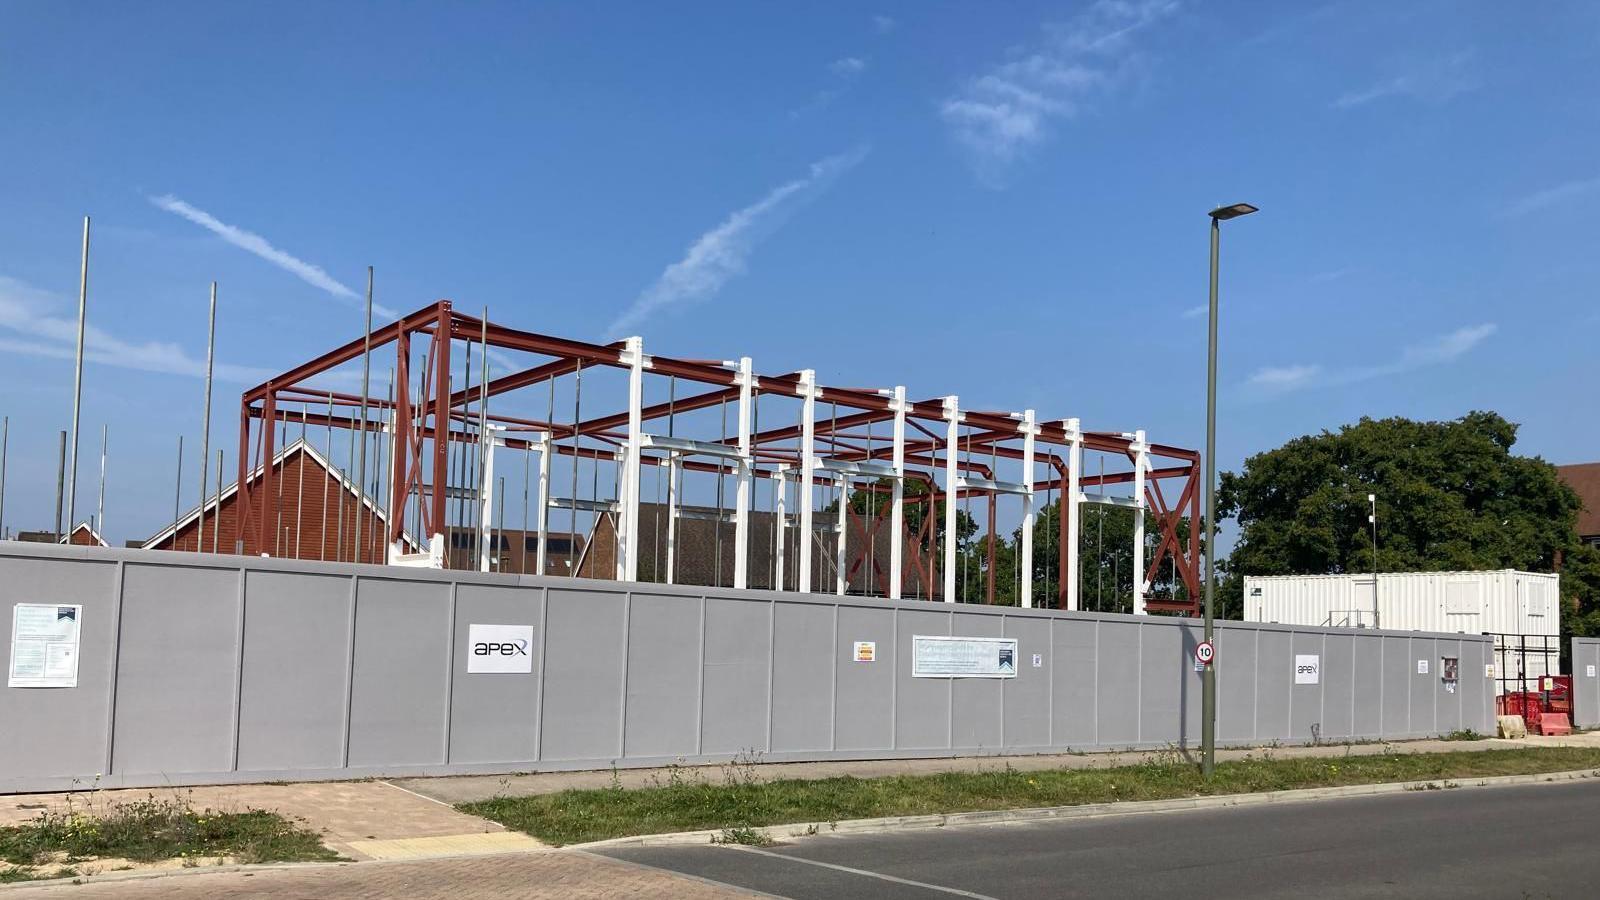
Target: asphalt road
[[1527, 841]]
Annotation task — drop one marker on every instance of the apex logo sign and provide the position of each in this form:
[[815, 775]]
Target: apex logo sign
[[499, 649]]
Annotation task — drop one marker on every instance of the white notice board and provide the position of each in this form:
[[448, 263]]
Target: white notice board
[[937, 656], [44, 645]]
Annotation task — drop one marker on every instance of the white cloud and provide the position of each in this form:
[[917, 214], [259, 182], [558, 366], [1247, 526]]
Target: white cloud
[[1553, 196], [883, 24], [1439, 350], [721, 253], [1002, 114], [1284, 378], [1195, 312], [47, 325], [1430, 81], [847, 67], [254, 243]]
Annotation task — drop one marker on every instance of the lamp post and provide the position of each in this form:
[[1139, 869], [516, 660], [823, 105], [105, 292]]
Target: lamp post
[[1208, 695], [1373, 519]]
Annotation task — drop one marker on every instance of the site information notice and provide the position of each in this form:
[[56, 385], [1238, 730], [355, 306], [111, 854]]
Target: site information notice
[[935, 656], [44, 645]]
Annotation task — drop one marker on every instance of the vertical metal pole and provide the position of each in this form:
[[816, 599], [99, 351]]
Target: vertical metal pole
[[100, 506], [840, 575], [61, 476], [672, 516], [216, 520], [805, 492], [542, 522], [299, 488], [897, 511], [5, 438], [205, 420], [177, 488], [952, 414], [1208, 694], [366, 383], [1025, 562], [522, 555], [628, 561], [1141, 461], [77, 377], [322, 550], [485, 455], [780, 525], [741, 496], [500, 558], [1373, 518], [1071, 499]]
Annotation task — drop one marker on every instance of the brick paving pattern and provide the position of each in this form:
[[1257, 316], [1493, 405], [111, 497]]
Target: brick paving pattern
[[565, 874]]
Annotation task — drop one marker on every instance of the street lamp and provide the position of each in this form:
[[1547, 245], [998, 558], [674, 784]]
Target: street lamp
[[1208, 695], [1373, 519]]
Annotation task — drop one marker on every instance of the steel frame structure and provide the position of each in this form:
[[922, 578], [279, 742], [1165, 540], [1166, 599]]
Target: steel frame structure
[[953, 451]]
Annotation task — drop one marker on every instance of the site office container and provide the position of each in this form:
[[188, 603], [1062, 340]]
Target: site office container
[[1501, 602]]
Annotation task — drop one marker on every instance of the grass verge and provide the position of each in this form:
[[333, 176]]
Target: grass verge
[[82, 840], [741, 803]]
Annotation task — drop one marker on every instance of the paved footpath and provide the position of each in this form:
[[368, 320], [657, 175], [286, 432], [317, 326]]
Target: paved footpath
[[544, 874]]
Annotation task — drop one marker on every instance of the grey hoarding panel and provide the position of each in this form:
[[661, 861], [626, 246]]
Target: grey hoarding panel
[[585, 651], [401, 673], [1074, 672], [494, 716], [663, 676], [1586, 682], [1167, 681], [1398, 666], [977, 708], [1274, 685], [1421, 685], [177, 670], [296, 650], [737, 660], [1236, 683], [922, 705], [804, 659], [60, 732], [1117, 687], [1338, 686], [1027, 697], [1307, 718], [865, 692], [1367, 666]]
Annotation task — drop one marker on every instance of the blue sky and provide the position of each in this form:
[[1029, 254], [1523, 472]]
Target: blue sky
[[1001, 201]]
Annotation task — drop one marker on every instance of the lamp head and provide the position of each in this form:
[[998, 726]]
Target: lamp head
[[1232, 211]]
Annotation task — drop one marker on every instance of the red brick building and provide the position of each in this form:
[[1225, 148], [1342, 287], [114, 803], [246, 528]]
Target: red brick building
[[1585, 479], [318, 508]]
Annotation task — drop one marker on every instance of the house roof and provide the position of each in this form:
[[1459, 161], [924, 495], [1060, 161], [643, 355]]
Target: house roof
[[297, 446], [1585, 479], [84, 526]]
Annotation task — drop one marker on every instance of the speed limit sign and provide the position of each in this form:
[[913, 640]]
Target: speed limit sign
[[1204, 653]]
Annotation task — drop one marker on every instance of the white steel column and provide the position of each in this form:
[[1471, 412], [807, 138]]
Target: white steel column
[[952, 414], [542, 516], [1025, 584], [741, 501], [1141, 461], [780, 525], [491, 439], [1072, 499], [628, 534], [804, 496], [673, 468], [841, 582], [897, 515]]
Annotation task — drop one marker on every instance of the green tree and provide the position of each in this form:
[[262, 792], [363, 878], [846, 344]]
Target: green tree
[[1451, 495]]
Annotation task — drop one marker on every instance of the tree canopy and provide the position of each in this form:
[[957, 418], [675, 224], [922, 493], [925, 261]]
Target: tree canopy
[[1451, 495]]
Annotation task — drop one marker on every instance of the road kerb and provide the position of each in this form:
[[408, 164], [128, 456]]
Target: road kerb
[[1085, 811]]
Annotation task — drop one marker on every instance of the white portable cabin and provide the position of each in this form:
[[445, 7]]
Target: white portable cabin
[[1522, 608]]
